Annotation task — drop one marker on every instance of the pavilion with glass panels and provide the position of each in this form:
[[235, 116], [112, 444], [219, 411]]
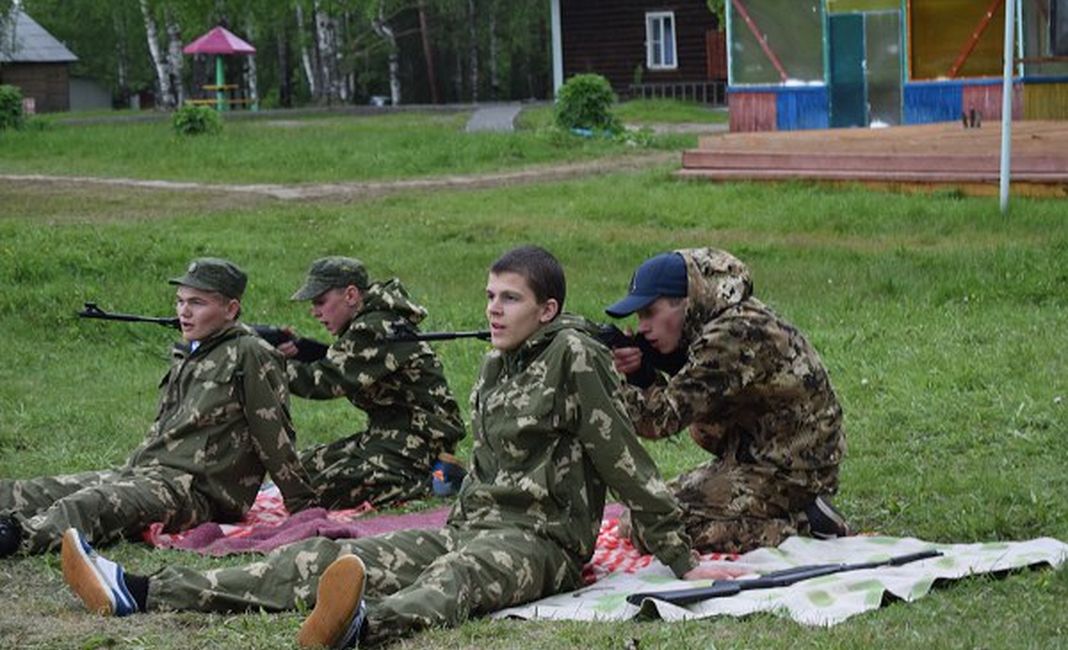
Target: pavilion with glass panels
[[809, 64]]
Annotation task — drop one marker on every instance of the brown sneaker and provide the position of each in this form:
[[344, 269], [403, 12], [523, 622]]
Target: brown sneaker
[[338, 617]]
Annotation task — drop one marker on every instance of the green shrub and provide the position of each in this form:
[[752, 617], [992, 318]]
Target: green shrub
[[585, 102], [196, 120], [10, 107]]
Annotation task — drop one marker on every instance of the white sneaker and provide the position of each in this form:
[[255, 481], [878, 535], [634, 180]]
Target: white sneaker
[[98, 581]]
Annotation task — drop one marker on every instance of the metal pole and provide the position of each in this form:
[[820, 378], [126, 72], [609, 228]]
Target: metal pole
[[1006, 103], [220, 95], [557, 45]]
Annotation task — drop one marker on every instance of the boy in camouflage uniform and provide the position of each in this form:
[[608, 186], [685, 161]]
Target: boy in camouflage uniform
[[752, 391], [412, 418], [551, 436], [222, 424]]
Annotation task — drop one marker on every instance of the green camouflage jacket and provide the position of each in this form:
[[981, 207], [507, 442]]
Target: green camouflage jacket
[[223, 418], [551, 434], [753, 390], [400, 385]]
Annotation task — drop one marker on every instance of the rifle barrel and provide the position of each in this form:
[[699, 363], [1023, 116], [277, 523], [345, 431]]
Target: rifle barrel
[[92, 311], [441, 336], [783, 578]]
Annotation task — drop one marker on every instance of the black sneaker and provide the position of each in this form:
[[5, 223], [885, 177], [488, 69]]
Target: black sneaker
[[824, 521], [10, 535]]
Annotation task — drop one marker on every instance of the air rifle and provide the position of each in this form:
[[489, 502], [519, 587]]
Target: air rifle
[[608, 334], [408, 335], [784, 578], [307, 349]]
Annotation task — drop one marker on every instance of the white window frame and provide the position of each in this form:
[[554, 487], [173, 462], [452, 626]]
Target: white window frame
[[653, 48]]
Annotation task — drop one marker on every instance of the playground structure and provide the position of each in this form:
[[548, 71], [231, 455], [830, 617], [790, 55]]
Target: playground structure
[[221, 42]]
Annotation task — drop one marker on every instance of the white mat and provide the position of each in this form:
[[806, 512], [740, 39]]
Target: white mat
[[821, 601]]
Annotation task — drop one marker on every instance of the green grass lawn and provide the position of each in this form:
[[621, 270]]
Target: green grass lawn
[[298, 149], [668, 111], [942, 323]]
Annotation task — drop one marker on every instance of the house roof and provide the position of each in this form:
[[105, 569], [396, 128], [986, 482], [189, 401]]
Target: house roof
[[28, 42]]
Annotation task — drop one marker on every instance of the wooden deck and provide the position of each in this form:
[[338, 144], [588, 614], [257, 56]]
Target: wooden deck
[[924, 156]]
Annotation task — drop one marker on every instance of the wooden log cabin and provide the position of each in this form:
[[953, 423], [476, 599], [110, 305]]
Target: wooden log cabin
[[672, 49], [37, 64]]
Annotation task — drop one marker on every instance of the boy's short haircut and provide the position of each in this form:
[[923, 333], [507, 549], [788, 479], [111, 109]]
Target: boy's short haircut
[[539, 268]]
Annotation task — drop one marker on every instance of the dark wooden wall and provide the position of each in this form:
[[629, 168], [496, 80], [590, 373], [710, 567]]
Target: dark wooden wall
[[608, 37], [47, 83]]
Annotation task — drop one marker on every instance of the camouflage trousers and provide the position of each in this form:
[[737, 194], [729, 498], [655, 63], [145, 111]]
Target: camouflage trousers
[[105, 505], [416, 579], [732, 508], [382, 467]]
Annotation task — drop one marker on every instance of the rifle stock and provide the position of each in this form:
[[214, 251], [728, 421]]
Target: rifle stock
[[307, 349]]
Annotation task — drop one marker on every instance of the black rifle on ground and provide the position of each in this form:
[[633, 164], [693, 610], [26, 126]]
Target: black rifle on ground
[[307, 349], [784, 578], [609, 335]]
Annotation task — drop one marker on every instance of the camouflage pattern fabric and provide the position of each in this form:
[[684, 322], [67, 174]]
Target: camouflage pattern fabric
[[27, 497], [756, 395], [222, 424], [551, 436], [412, 416]]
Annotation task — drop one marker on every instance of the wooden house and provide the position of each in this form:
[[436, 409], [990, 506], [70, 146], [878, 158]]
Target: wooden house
[[670, 48], [37, 63], [799, 64]]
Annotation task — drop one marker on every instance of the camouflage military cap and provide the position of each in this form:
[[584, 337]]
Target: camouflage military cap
[[214, 274], [332, 273]]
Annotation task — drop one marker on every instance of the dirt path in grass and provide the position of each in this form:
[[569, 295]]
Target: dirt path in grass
[[365, 189]]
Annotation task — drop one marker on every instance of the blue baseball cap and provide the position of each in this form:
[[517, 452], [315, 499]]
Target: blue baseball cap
[[660, 276]]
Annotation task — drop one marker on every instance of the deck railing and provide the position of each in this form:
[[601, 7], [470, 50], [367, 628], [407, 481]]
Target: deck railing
[[705, 92]]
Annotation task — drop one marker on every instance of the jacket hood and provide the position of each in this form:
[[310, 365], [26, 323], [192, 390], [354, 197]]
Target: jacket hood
[[716, 281], [392, 296]]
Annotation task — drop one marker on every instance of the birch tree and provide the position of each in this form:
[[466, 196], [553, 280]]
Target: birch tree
[[174, 56], [251, 82], [163, 77], [311, 68], [325, 33], [386, 33]]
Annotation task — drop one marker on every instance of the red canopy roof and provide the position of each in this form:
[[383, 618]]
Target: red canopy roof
[[219, 41]]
